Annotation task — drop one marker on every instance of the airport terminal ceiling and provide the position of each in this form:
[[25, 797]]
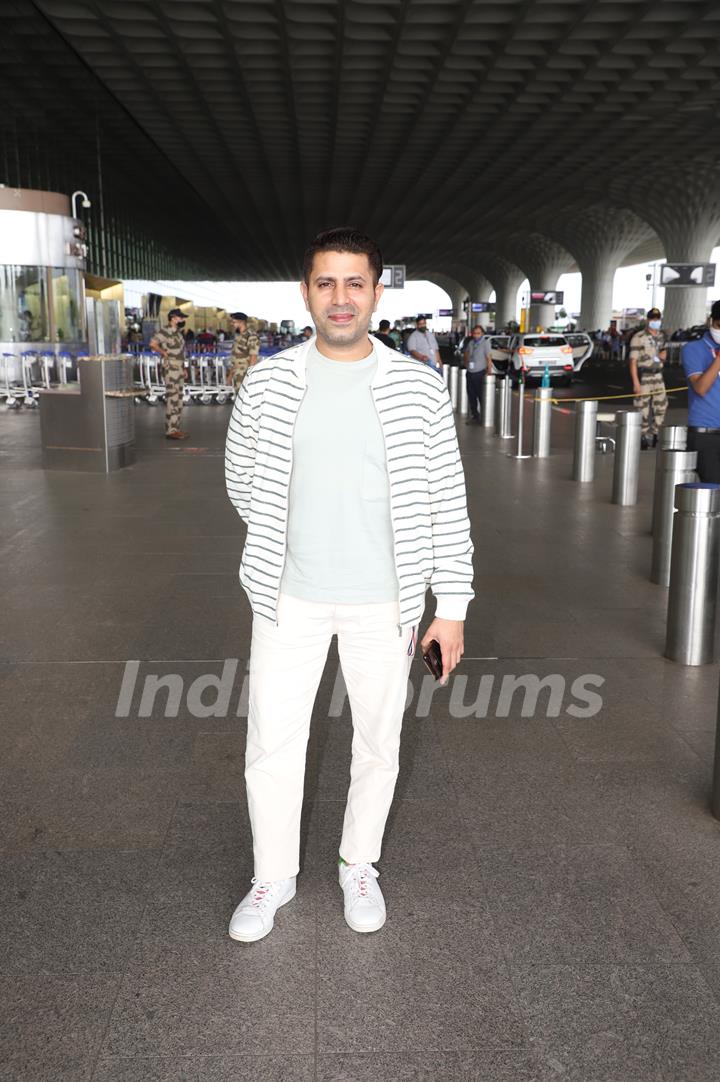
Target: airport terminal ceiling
[[466, 135]]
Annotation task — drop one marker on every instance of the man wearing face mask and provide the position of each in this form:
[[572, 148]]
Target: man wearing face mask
[[170, 344], [701, 362], [647, 357]]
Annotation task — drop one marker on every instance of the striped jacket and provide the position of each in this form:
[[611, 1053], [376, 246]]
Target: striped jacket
[[431, 531]]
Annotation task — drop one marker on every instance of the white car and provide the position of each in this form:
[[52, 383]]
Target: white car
[[582, 346], [534, 353]]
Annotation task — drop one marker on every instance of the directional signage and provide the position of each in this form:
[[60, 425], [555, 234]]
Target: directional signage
[[687, 274], [549, 296], [480, 306], [393, 276], [445, 311]]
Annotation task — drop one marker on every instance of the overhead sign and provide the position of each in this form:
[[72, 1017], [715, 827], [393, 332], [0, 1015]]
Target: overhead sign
[[480, 306], [393, 276], [548, 296], [445, 311], [687, 274]]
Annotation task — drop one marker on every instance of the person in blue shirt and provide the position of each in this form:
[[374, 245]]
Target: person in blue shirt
[[701, 361]]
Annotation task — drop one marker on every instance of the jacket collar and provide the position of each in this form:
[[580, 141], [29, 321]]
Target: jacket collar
[[299, 355]]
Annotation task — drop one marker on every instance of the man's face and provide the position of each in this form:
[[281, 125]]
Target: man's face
[[176, 321], [421, 325], [341, 297], [477, 333], [239, 325]]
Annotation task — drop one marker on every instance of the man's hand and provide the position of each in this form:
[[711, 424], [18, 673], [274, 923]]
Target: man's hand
[[449, 636]]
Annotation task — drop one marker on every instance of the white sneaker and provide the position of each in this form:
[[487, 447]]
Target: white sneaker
[[253, 919], [364, 903]]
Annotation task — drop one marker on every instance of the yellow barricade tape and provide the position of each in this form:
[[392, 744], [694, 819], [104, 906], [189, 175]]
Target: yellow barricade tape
[[613, 397]]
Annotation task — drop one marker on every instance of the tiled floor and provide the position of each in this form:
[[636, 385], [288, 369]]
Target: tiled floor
[[551, 867]]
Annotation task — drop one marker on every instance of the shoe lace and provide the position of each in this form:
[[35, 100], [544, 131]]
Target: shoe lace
[[263, 889], [362, 878]]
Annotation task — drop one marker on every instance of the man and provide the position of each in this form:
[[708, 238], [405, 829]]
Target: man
[[170, 344], [701, 361], [245, 349], [307, 333], [422, 344], [383, 334], [342, 459], [647, 357], [478, 362]]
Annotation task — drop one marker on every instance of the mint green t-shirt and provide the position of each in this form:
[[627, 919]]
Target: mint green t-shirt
[[339, 540]]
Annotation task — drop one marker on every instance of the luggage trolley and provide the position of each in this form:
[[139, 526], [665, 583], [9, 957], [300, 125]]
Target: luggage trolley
[[151, 378], [17, 393]]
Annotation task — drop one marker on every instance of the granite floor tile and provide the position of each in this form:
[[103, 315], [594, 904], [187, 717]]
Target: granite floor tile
[[52, 1026], [184, 999], [680, 864], [205, 1067], [612, 1023], [584, 904], [102, 808], [479, 1066], [411, 987], [67, 913]]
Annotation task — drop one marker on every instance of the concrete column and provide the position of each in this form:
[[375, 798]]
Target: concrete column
[[686, 306], [600, 236], [506, 278], [543, 261], [683, 205]]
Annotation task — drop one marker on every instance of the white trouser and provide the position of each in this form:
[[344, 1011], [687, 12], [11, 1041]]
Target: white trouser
[[286, 662]]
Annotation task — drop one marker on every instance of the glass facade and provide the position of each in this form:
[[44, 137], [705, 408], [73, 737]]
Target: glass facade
[[24, 314], [41, 304], [67, 300]]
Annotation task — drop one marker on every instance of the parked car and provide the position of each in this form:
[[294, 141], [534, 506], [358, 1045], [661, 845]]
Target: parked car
[[533, 353]]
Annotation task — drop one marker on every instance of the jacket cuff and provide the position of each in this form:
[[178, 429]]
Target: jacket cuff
[[451, 608]]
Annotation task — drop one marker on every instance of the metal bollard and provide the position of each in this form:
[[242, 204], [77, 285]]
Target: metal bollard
[[626, 469], [503, 426], [542, 415], [585, 432], [446, 374], [488, 402], [462, 379], [454, 387], [677, 468], [692, 601], [671, 437], [521, 424]]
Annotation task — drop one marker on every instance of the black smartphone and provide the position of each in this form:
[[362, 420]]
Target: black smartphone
[[433, 659]]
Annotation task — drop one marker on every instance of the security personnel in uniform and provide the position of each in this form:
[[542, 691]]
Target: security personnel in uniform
[[169, 342], [244, 351], [701, 361], [647, 357]]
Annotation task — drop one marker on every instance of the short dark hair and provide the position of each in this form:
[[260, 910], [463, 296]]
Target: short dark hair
[[343, 239], [384, 325]]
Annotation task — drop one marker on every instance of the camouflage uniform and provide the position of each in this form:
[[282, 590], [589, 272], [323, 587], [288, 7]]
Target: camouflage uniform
[[173, 343], [645, 348], [245, 346]]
